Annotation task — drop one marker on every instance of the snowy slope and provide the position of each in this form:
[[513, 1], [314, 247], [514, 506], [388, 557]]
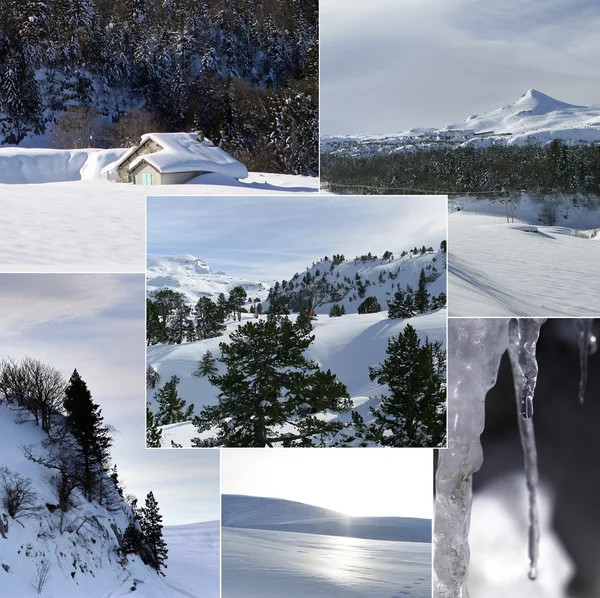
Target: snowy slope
[[347, 345], [330, 283], [190, 275], [83, 559], [534, 118], [254, 512], [259, 564], [519, 269]]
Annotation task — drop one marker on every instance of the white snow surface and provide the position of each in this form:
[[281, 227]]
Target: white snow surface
[[182, 152], [190, 275], [347, 345], [83, 561], [534, 118], [95, 225], [258, 563], [520, 268]]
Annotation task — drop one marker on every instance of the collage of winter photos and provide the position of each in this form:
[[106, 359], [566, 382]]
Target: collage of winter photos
[[298, 299]]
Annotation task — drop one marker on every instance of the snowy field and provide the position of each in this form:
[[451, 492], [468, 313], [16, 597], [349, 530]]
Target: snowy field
[[521, 268], [58, 214], [260, 564], [346, 345]]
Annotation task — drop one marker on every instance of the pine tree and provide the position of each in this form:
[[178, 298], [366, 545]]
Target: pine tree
[[153, 432], [152, 377], [209, 319], [85, 422], [401, 307], [237, 298], [414, 412], [270, 383], [171, 407], [151, 521], [369, 306], [336, 311], [421, 298], [206, 366]]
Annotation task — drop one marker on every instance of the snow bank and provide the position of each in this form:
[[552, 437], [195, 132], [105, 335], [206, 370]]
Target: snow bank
[[23, 165]]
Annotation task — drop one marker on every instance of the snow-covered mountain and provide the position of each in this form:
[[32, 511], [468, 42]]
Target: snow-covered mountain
[[78, 550], [534, 118], [190, 275], [254, 512]]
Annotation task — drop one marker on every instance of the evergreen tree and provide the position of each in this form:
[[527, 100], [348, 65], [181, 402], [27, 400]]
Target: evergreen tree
[[156, 329], [151, 522], [414, 412], [369, 306], [258, 310], [180, 323], [237, 298], [206, 366], [114, 476], [209, 319], [85, 422], [153, 432], [336, 311], [401, 307], [305, 319], [171, 407], [152, 377], [270, 383], [421, 298]]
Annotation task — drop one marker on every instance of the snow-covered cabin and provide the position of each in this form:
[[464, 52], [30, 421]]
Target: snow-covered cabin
[[173, 159]]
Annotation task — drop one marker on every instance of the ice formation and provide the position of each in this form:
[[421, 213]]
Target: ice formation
[[477, 347]]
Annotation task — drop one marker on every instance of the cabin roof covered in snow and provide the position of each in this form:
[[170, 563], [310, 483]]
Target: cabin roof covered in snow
[[182, 152]]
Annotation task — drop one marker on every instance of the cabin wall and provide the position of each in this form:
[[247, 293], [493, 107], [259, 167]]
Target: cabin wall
[[148, 147]]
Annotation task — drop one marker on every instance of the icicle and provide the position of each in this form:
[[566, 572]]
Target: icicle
[[476, 347], [588, 345], [523, 335]]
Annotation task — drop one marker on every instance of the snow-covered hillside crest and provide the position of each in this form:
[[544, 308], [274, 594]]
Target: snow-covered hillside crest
[[194, 278], [534, 118], [78, 550], [348, 282]]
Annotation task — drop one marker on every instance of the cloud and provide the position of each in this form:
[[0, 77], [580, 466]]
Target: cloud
[[389, 66]]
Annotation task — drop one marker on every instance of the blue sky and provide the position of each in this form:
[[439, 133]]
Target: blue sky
[[95, 323], [268, 238], [389, 65], [367, 483]]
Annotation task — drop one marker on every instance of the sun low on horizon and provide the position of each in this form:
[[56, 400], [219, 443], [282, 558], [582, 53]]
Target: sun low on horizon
[[356, 483]]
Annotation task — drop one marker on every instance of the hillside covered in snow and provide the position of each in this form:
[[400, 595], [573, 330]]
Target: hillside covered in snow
[[57, 539], [275, 514], [337, 312], [104, 74]]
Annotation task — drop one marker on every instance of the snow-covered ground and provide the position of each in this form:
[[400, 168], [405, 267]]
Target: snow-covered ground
[[522, 268], [534, 118], [60, 214], [258, 563], [82, 560], [347, 346]]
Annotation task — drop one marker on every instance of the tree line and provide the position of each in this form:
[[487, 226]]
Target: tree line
[[496, 170], [244, 73], [76, 452]]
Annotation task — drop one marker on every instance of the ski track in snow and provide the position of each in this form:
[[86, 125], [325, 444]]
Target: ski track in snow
[[98, 226], [500, 269], [266, 564]]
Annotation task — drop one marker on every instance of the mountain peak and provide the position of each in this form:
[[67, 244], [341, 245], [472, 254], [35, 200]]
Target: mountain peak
[[533, 98]]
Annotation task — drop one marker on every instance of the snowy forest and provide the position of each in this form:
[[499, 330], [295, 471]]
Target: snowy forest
[[495, 171], [245, 73], [74, 497]]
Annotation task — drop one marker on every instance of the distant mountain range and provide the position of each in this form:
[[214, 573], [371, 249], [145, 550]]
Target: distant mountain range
[[253, 512], [534, 118]]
